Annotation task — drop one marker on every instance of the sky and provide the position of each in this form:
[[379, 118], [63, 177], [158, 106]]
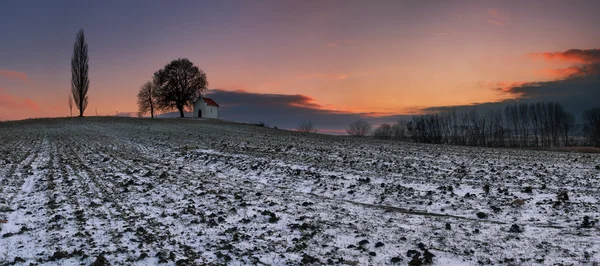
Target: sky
[[283, 62]]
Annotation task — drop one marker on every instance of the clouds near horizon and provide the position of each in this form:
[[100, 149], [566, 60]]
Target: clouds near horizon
[[14, 75], [287, 111], [572, 56], [8, 102], [583, 74], [341, 60], [577, 87]]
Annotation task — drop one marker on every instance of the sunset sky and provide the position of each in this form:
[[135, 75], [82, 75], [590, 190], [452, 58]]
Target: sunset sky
[[281, 62]]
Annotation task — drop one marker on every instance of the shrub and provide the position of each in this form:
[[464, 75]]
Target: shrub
[[307, 127], [383, 132], [359, 128]]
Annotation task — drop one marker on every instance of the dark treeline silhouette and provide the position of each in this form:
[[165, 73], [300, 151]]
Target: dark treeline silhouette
[[591, 126], [516, 125], [393, 132]]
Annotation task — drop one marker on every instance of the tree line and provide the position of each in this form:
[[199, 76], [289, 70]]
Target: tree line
[[516, 125]]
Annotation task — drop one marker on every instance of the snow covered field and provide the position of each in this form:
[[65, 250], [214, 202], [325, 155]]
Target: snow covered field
[[188, 192]]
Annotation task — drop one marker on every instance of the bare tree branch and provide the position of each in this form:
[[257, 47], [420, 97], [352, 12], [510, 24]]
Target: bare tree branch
[[70, 102], [307, 127], [180, 83], [146, 98], [359, 128]]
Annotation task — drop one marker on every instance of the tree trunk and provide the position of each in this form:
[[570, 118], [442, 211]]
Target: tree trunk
[[151, 110], [180, 112]]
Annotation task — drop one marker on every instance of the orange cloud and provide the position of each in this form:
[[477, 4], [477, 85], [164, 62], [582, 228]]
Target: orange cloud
[[585, 63], [496, 22], [377, 114], [571, 56], [496, 17], [340, 76], [338, 43], [582, 77], [11, 74], [562, 73], [507, 86], [305, 102], [10, 102], [494, 12], [29, 104]]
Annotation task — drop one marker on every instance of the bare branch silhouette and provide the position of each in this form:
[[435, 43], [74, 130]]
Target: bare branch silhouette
[[146, 98], [180, 83], [70, 102], [383, 132], [359, 128], [591, 123], [307, 127]]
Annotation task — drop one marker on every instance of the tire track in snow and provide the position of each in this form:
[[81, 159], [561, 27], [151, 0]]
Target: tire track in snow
[[17, 233], [279, 164]]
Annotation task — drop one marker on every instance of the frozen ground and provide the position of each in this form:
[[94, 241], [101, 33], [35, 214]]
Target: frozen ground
[[188, 192]]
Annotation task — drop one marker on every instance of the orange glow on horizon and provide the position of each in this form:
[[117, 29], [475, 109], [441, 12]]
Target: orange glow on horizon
[[382, 64]]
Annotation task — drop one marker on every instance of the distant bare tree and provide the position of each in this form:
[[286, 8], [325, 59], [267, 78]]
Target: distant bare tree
[[567, 123], [146, 98], [383, 132], [180, 83], [517, 125], [399, 130], [80, 81], [307, 127], [71, 104], [359, 128], [591, 126], [536, 122]]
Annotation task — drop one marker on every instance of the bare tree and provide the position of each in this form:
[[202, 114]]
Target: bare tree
[[383, 132], [146, 98], [521, 124], [80, 81], [70, 102], [359, 128], [524, 120], [399, 130], [591, 126], [307, 127], [567, 123], [180, 83], [535, 123]]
